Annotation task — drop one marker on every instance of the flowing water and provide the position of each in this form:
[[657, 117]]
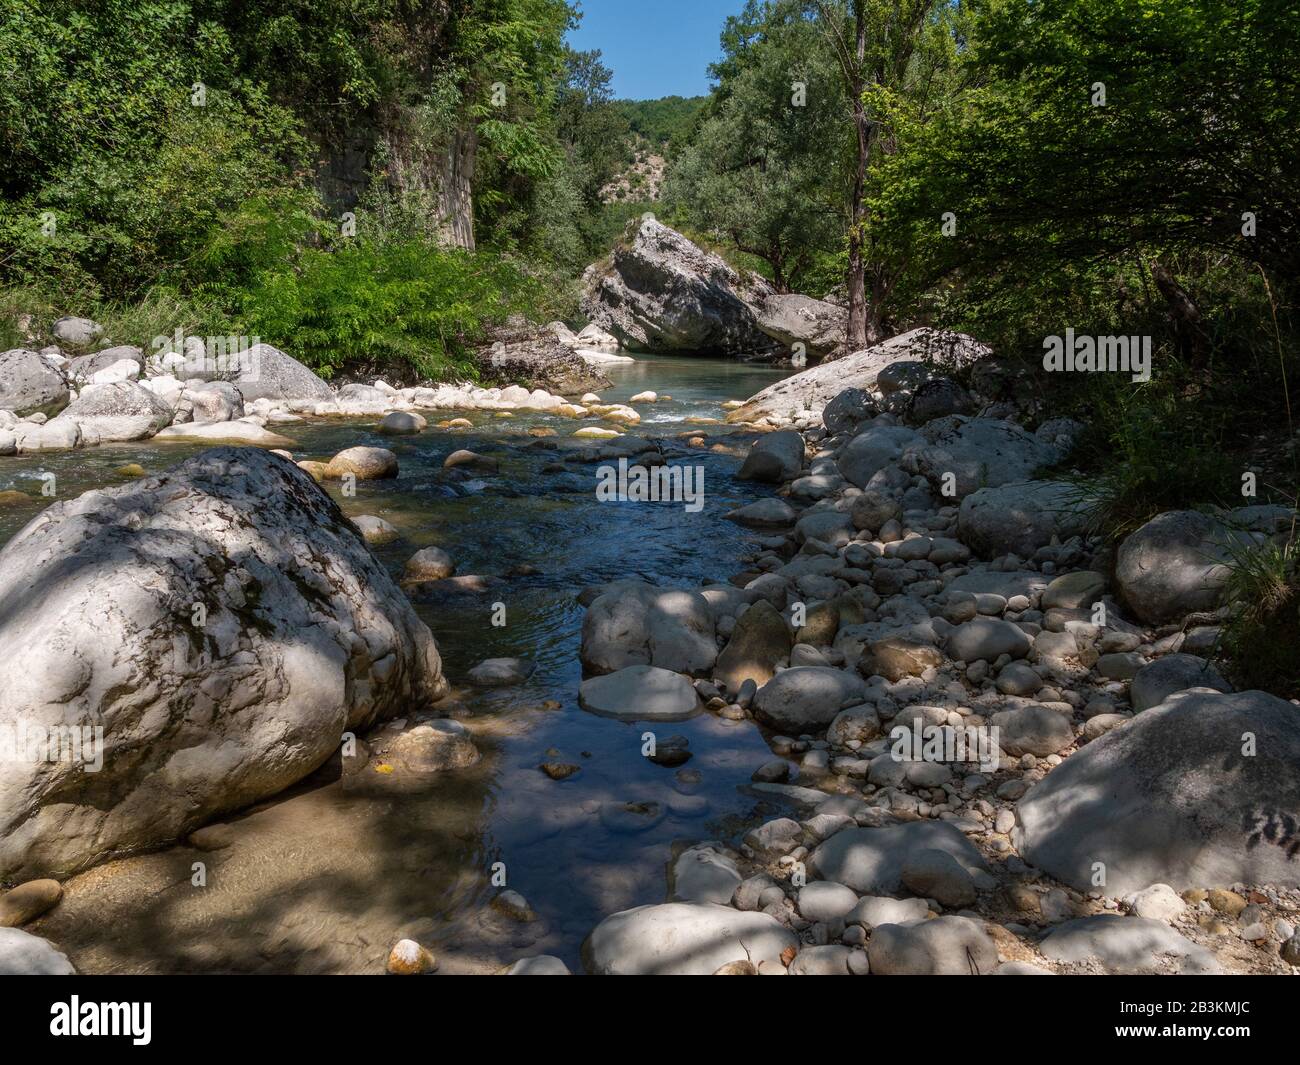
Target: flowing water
[[326, 877]]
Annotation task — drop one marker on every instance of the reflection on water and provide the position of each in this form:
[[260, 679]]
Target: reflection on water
[[327, 877]]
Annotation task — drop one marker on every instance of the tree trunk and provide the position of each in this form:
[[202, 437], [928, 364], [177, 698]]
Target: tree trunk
[[857, 279], [1186, 316], [875, 311]]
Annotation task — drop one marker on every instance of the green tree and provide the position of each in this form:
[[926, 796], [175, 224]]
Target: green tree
[[762, 171], [887, 51], [1113, 131], [792, 183]]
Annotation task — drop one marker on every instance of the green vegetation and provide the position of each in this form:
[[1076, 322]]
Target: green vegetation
[[1262, 639], [667, 123], [189, 164], [1119, 167]]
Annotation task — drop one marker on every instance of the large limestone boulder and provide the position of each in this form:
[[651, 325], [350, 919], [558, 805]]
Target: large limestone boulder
[[683, 939], [521, 354], [632, 623], [219, 401], [661, 293], [260, 372], [1154, 682], [76, 332], [813, 389], [1199, 791], [224, 625], [705, 873], [987, 639], [1128, 946], [248, 434], [850, 408], [31, 383], [791, 319], [592, 338], [58, 434], [1019, 518], [944, 946], [119, 411], [1174, 565]]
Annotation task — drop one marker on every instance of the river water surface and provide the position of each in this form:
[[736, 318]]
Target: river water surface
[[326, 877]]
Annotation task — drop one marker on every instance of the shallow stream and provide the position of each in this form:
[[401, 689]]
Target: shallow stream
[[325, 879]]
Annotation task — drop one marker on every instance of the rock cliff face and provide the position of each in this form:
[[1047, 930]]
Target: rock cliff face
[[221, 626]]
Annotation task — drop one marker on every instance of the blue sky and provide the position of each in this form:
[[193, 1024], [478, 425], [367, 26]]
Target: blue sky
[[655, 47]]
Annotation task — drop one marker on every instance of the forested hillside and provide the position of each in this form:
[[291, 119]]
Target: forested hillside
[[297, 170], [667, 123], [1011, 169]]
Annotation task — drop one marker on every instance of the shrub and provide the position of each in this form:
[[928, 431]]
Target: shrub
[[388, 306], [1261, 642], [1149, 453]]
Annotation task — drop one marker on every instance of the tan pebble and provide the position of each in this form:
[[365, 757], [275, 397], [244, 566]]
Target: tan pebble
[[28, 901]]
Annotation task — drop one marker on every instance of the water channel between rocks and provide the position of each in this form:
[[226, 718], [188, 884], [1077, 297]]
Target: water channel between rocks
[[323, 879]]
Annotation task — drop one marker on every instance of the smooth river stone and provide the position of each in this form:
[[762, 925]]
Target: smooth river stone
[[640, 693]]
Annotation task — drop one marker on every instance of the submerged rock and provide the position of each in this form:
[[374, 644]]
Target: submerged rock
[[429, 564], [501, 672], [640, 693]]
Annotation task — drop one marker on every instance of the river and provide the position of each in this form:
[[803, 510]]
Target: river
[[325, 878]]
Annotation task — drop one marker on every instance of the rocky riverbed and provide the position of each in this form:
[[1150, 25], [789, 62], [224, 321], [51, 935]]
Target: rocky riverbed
[[880, 705]]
